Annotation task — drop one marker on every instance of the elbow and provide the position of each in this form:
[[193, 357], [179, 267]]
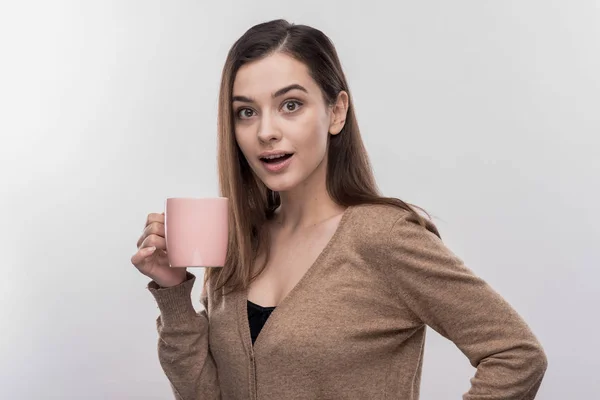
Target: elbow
[[541, 360], [538, 365], [538, 361]]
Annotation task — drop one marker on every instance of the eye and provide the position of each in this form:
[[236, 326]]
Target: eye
[[290, 106], [244, 113]]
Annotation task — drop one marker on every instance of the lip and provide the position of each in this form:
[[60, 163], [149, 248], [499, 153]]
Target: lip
[[274, 153], [278, 167]]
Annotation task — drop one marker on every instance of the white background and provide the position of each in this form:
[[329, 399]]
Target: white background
[[486, 113]]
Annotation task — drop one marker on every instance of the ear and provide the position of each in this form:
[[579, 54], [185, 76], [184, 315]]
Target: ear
[[339, 110]]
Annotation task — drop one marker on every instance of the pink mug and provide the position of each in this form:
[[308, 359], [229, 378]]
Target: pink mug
[[196, 231]]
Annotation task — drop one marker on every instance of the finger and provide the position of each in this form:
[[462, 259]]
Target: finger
[[155, 217], [156, 228], [141, 255], [154, 240]]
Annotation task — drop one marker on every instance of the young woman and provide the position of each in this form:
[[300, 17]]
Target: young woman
[[339, 281]]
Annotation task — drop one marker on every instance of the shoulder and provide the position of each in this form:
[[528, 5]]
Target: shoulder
[[381, 217], [378, 225], [370, 224]]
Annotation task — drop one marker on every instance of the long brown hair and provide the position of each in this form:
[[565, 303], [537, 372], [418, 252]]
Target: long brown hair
[[349, 181]]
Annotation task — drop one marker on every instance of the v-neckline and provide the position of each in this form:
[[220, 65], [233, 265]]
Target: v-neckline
[[278, 309]]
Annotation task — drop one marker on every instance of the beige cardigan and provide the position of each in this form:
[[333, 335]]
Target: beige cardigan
[[353, 327]]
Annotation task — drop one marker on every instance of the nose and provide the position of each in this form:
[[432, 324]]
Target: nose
[[268, 130]]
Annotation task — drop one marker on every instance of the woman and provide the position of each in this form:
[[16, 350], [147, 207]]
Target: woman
[[339, 281]]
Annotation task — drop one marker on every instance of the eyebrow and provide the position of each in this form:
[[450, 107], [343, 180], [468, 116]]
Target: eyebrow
[[278, 93]]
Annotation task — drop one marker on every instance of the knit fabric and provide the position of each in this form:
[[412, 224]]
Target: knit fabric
[[353, 327]]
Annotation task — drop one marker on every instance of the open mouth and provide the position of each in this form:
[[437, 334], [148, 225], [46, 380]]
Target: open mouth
[[275, 159], [277, 163]]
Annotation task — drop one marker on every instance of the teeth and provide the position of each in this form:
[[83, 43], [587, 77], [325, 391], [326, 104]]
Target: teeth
[[274, 156]]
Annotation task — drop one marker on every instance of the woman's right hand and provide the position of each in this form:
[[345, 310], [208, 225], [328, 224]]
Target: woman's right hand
[[151, 257]]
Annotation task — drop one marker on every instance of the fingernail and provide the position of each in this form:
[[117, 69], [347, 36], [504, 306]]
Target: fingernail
[[151, 249]]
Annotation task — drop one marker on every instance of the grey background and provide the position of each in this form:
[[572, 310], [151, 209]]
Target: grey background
[[483, 112]]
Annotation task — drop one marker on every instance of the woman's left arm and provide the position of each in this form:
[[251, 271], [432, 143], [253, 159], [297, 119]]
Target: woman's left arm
[[446, 295]]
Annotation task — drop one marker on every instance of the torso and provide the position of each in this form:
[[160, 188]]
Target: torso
[[290, 258]]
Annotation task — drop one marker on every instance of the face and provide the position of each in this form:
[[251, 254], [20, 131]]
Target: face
[[279, 109]]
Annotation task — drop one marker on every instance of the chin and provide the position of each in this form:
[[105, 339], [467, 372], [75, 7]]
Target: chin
[[279, 184], [280, 187]]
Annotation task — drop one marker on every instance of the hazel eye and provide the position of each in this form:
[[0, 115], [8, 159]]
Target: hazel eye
[[291, 106], [245, 113]]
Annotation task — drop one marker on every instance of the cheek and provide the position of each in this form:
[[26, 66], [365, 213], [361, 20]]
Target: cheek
[[309, 131], [314, 138], [242, 141]]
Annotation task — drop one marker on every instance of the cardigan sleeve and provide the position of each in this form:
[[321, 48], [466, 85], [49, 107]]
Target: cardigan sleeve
[[183, 347], [447, 296]]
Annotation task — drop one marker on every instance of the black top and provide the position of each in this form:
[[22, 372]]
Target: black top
[[257, 316]]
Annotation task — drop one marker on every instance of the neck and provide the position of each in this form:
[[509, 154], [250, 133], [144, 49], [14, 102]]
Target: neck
[[305, 211], [306, 205]]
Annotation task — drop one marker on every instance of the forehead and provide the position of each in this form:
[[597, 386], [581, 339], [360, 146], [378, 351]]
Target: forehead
[[267, 75]]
